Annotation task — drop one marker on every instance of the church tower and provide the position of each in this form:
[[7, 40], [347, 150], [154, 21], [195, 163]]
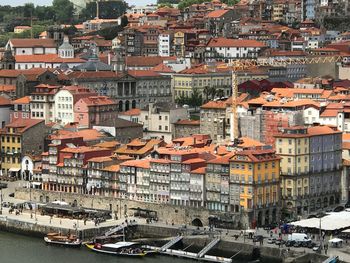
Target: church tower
[[66, 50], [7, 61]]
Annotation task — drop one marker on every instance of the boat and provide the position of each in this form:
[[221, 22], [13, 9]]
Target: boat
[[123, 248], [64, 240]]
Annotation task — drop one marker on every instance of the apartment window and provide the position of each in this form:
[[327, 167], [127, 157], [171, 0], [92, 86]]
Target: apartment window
[[273, 164], [289, 160], [146, 117], [290, 142], [160, 127], [166, 128], [289, 151], [160, 117]]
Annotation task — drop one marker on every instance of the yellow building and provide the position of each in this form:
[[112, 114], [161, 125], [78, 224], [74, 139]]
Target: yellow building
[[278, 10], [310, 168], [204, 76], [21, 29], [19, 138], [254, 184]]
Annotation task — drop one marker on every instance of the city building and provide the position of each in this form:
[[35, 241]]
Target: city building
[[19, 138], [255, 185], [311, 167], [158, 119]]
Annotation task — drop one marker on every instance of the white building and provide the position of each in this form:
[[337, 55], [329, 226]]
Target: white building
[[31, 46], [164, 44], [158, 119], [142, 9], [224, 48], [64, 101], [42, 102]]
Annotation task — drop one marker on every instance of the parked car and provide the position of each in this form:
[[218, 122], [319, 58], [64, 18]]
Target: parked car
[[297, 244], [271, 240], [311, 245], [12, 195], [258, 238], [290, 243]]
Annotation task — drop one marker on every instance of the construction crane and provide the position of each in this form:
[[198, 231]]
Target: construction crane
[[246, 64]]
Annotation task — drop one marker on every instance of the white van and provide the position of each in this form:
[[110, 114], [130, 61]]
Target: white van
[[298, 237]]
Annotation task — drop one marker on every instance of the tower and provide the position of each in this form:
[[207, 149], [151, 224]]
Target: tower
[[7, 61], [66, 50]]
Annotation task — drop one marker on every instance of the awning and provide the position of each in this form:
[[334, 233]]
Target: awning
[[14, 169], [36, 183]]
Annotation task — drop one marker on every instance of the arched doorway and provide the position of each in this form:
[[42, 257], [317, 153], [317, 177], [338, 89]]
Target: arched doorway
[[312, 205], [120, 106], [306, 206], [318, 203], [133, 104], [267, 218], [331, 200], [127, 105], [260, 215], [325, 202], [197, 222], [274, 215], [75, 203]]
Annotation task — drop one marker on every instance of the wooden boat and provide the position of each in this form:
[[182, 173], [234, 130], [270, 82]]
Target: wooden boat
[[123, 248], [64, 240]]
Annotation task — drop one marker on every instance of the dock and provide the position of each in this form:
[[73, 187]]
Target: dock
[[201, 255]]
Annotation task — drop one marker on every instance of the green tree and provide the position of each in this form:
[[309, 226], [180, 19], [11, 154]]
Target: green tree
[[220, 93], [206, 92], [63, 11], [28, 10], [108, 10]]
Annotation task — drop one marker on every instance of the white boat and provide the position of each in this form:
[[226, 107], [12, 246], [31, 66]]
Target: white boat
[[122, 248], [64, 240]]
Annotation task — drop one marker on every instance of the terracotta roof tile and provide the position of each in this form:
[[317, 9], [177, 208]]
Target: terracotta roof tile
[[217, 13], [23, 100], [214, 105], [4, 101], [32, 42], [228, 42], [131, 112], [187, 122]]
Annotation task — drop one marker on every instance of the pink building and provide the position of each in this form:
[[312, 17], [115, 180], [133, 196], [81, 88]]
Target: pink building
[[95, 110], [21, 109]]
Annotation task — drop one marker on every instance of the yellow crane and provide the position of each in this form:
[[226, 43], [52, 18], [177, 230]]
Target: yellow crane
[[246, 64]]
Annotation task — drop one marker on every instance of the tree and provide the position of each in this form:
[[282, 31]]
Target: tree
[[28, 10], [212, 92], [206, 92], [108, 10], [220, 93], [63, 11]]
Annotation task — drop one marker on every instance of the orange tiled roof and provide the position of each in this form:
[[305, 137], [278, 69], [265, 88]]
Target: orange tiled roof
[[228, 42], [112, 168], [7, 88], [48, 58], [143, 163], [187, 122], [32, 42], [215, 105], [4, 101], [131, 112], [217, 13], [23, 100]]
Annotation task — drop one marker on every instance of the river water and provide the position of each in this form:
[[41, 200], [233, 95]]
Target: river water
[[24, 249]]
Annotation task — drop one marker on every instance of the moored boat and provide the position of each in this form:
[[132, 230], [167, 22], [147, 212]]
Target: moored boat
[[123, 248], [64, 240]]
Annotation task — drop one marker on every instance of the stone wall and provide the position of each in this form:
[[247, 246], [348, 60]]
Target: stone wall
[[166, 213], [181, 131]]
